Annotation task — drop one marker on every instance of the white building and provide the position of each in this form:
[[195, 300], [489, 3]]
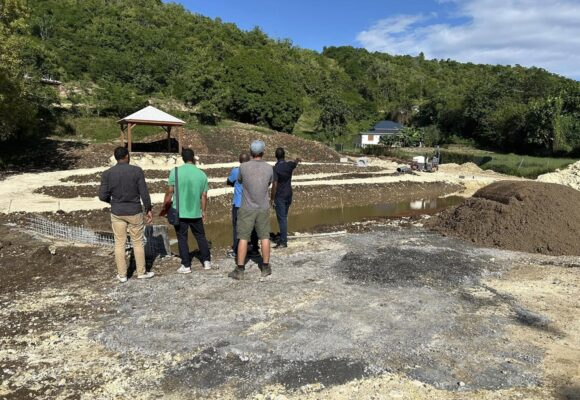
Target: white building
[[382, 128]]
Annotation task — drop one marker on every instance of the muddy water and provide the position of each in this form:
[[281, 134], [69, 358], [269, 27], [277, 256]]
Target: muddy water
[[220, 233]]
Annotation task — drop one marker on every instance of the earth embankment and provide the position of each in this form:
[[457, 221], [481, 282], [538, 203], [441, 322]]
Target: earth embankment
[[534, 217]]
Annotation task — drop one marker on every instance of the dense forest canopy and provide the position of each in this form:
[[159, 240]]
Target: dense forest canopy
[[115, 55]]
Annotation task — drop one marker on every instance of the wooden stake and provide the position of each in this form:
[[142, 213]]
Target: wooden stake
[[122, 136], [130, 134]]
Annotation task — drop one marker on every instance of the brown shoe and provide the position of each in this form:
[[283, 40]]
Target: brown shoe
[[266, 271], [237, 274]]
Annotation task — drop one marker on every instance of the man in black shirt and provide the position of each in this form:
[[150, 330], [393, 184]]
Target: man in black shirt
[[123, 186], [283, 186]]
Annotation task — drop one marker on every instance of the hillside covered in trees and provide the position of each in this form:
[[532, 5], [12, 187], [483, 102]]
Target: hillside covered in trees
[[114, 56]]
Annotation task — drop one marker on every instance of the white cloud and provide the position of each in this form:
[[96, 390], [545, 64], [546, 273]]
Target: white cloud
[[542, 33]]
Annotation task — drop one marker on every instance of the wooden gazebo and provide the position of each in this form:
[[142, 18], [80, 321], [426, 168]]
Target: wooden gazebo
[[151, 116]]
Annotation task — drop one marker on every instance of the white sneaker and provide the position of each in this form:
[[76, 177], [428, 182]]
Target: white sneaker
[[207, 265], [184, 270], [122, 279], [147, 275]]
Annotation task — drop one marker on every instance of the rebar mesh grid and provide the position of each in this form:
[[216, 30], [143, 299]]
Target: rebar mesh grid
[[76, 234], [155, 239]]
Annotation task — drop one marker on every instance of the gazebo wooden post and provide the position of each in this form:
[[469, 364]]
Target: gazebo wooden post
[[180, 139], [168, 129], [122, 135], [130, 136]]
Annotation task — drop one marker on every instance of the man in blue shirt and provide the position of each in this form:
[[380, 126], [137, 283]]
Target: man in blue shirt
[[236, 204], [283, 188]]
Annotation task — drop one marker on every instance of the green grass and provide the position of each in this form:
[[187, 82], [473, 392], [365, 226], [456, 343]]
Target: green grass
[[525, 166], [510, 164], [102, 130]]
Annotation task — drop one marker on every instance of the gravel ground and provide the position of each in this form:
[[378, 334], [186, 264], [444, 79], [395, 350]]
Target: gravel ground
[[393, 312], [331, 317]]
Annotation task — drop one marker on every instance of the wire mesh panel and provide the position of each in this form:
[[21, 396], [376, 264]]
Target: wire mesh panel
[[156, 239], [76, 234]]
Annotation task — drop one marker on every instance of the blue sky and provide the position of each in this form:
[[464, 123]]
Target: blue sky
[[310, 24], [544, 33]]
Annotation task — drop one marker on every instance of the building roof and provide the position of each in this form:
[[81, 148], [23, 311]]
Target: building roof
[[388, 125], [384, 128], [152, 116], [392, 132]]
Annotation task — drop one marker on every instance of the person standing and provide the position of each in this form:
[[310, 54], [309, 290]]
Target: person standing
[[256, 176], [190, 187], [283, 171], [236, 204], [123, 186]]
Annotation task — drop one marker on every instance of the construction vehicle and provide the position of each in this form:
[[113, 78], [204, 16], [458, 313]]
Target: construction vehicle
[[426, 163]]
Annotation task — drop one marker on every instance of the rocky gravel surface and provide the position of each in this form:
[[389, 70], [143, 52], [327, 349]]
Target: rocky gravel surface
[[394, 312]]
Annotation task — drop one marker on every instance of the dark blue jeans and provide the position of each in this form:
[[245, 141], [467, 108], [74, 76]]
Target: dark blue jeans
[[254, 240], [196, 226], [282, 206]]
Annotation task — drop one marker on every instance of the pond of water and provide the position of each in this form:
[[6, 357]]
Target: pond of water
[[220, 233]]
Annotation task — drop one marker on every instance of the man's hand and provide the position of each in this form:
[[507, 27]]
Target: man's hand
[[165, 208], [149, 217], [203, 217]]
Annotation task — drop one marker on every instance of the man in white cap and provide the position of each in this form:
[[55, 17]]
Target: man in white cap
[[256, 176]]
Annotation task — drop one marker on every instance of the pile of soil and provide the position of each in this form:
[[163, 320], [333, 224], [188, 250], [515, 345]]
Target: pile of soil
[[465, 168], [225, 144], [533, 217], [231, 141], [569, 176]]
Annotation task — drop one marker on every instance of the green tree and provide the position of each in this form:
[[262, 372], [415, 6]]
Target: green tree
[[540, 125], [150, 49], [25, 105], [431, 135], [262, 92], [333, 116], [118, 100], [208, 113]]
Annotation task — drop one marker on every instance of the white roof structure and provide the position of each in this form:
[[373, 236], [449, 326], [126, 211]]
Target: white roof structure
[[152, 116]]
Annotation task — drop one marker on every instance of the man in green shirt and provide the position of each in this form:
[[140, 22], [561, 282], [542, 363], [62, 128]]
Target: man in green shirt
[[191, 190]]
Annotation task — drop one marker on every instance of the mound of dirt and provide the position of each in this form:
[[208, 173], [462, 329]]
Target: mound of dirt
[[534, 217], [224, 144], [569, 176], [231, 141], [468, 167]]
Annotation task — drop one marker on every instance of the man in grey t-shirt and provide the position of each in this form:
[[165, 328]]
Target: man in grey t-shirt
[[256, 176]]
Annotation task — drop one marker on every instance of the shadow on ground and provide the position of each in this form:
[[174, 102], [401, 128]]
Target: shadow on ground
[[41, 155]]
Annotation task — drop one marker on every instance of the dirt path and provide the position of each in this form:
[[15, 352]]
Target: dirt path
[[391, 313]]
